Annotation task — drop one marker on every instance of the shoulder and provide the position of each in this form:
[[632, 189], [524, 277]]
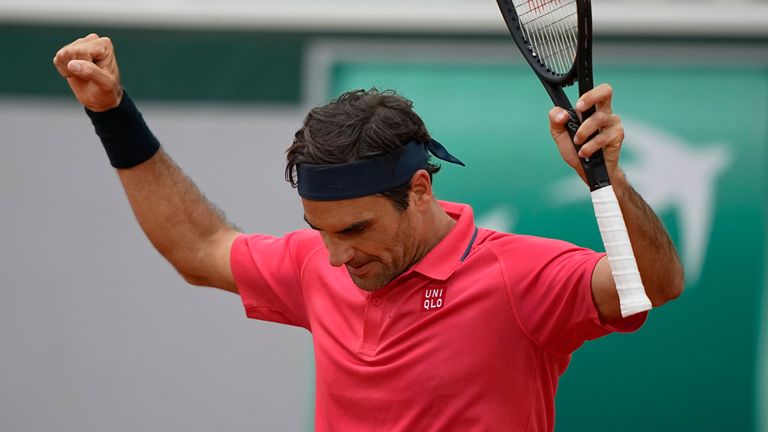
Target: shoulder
[[306, 237], [526, 254], [299, 244], [506, 244]]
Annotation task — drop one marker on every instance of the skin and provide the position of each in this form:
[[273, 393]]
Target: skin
[[372, 239], [375, 241]]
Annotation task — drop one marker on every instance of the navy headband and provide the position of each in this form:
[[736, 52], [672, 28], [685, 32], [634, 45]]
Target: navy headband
[[368, 176]]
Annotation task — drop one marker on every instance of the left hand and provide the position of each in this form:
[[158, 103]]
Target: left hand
[[609, 139]]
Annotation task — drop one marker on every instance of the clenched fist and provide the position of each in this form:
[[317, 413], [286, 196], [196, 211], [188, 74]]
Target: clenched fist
[[90, 68]]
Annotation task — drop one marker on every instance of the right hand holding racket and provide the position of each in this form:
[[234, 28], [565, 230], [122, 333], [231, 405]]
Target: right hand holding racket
[[609, 138], [90, 68]]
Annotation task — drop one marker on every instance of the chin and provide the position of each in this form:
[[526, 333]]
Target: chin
[[374, 280], [368, 284]]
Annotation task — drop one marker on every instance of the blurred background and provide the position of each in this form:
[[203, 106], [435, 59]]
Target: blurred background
[[98, 333]]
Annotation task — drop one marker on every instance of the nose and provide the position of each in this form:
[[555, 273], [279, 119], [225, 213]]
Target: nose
[[340, 252]]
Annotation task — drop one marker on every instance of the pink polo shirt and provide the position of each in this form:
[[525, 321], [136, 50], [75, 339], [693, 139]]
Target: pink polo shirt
[[472, 338]]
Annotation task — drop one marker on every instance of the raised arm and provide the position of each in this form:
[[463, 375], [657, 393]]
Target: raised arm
[[180, 222], [657, 259]]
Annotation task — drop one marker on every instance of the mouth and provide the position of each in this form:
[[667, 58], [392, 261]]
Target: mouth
[[359, 270]]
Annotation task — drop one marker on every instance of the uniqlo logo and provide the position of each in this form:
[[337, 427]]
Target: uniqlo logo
[[433, 299]]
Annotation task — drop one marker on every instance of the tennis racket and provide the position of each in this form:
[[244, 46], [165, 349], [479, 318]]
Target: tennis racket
[[555, 37]]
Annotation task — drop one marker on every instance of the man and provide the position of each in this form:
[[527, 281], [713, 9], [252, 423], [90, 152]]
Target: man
[[421, 321]]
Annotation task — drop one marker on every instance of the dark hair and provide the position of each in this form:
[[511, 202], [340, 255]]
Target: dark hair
[[358, 125]]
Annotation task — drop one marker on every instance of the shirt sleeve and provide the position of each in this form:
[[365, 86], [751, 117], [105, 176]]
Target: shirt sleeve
[[267, 272], [551, 290]]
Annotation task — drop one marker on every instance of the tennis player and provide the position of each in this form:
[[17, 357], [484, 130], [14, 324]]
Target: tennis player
[[421, 320]]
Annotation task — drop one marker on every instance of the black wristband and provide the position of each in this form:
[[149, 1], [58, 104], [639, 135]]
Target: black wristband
[[124, 134]]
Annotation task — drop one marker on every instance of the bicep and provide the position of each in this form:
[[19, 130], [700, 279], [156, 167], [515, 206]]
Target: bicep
[[216, 270], [604, 293]]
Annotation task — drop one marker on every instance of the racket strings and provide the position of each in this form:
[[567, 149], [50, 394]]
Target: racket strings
[[550, 27]]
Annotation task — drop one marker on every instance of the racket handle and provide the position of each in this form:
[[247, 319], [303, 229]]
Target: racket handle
[[615, 237], [594, 166]]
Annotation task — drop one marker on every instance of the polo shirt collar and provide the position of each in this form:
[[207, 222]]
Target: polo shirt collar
[[443, 260]]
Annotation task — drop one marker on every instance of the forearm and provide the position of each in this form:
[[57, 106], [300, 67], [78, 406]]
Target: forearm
[[179, 221], [655, 253]]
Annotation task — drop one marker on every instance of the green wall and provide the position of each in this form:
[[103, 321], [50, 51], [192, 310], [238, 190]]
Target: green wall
[[164, 64], [694, 364]]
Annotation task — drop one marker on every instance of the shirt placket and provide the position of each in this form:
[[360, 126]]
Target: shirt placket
[[372, 323]]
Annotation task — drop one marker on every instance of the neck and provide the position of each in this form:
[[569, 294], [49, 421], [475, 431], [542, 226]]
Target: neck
[[439, 224]]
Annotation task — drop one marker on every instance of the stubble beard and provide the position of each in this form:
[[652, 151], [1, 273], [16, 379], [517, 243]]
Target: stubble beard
[[403, 258], [377, 281]]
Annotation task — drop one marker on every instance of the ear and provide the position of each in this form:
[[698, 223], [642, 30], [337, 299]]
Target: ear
[[421, 188]]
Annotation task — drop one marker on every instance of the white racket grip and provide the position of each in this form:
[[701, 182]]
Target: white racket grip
[[632, 295]]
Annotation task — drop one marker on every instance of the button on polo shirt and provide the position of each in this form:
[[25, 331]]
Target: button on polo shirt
[[472, 337]]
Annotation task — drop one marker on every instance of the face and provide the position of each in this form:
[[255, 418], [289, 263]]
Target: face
[[368, 235]]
